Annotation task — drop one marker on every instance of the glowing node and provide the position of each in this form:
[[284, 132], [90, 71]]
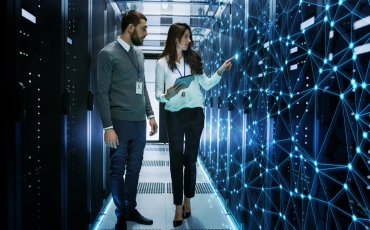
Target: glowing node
[[358, 150], [341, 96], [350, 166], [354, 218]]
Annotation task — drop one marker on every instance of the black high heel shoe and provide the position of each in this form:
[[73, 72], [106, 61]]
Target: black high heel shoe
[[185, 214], [177, 223]]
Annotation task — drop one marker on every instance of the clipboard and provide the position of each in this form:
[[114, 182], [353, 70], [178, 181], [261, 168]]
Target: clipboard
[[185, 79]]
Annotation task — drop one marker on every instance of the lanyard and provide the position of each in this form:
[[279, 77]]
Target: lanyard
[[179, 70], [137, 61]]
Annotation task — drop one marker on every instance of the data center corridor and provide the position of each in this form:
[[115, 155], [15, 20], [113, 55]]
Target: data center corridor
[[155, 198]]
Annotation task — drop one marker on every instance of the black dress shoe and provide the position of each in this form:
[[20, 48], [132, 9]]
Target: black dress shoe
[[138, 218], [185, 214], [177, 223], [121, 223]]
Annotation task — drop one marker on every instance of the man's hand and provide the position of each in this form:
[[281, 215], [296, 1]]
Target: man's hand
[[111, 138], [173, 91], [154, 126]]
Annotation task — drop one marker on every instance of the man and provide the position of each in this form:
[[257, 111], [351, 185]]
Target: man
[[124, 106]]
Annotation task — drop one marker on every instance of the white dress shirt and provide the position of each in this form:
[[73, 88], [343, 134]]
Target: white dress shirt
[[190, 97]]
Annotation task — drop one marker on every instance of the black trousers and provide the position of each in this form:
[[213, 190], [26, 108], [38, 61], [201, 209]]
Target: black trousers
[[186, 124]]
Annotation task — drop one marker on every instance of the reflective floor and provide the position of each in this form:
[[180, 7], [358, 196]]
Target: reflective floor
[[155, 198]]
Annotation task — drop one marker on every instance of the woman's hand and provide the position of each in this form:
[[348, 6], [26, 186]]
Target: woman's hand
[[226, 66], [173, 91]]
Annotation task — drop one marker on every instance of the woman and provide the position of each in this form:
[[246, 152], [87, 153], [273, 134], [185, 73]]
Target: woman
[[184, 111]]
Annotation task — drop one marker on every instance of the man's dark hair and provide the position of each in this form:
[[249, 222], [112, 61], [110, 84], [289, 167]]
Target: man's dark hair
[[131, 17]]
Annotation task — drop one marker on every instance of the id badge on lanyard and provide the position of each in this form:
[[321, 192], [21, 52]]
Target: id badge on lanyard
[[139, 87]]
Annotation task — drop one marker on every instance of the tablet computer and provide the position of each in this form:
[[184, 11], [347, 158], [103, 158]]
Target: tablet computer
[[185, 79]]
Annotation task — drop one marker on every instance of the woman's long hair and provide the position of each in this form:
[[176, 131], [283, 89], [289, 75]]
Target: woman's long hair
[[191, 57]]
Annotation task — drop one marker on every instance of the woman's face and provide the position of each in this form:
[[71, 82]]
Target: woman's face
[[184, 42]]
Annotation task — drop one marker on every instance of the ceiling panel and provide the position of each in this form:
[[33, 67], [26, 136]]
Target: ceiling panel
[[161, 14]]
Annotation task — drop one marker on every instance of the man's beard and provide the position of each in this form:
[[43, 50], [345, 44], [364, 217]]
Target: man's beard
[[135, 39]]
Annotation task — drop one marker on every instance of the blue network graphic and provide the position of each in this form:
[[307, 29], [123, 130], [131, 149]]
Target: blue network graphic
[[286, 141]]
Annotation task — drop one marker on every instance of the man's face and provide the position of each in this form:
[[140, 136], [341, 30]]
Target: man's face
[[140, 32]]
